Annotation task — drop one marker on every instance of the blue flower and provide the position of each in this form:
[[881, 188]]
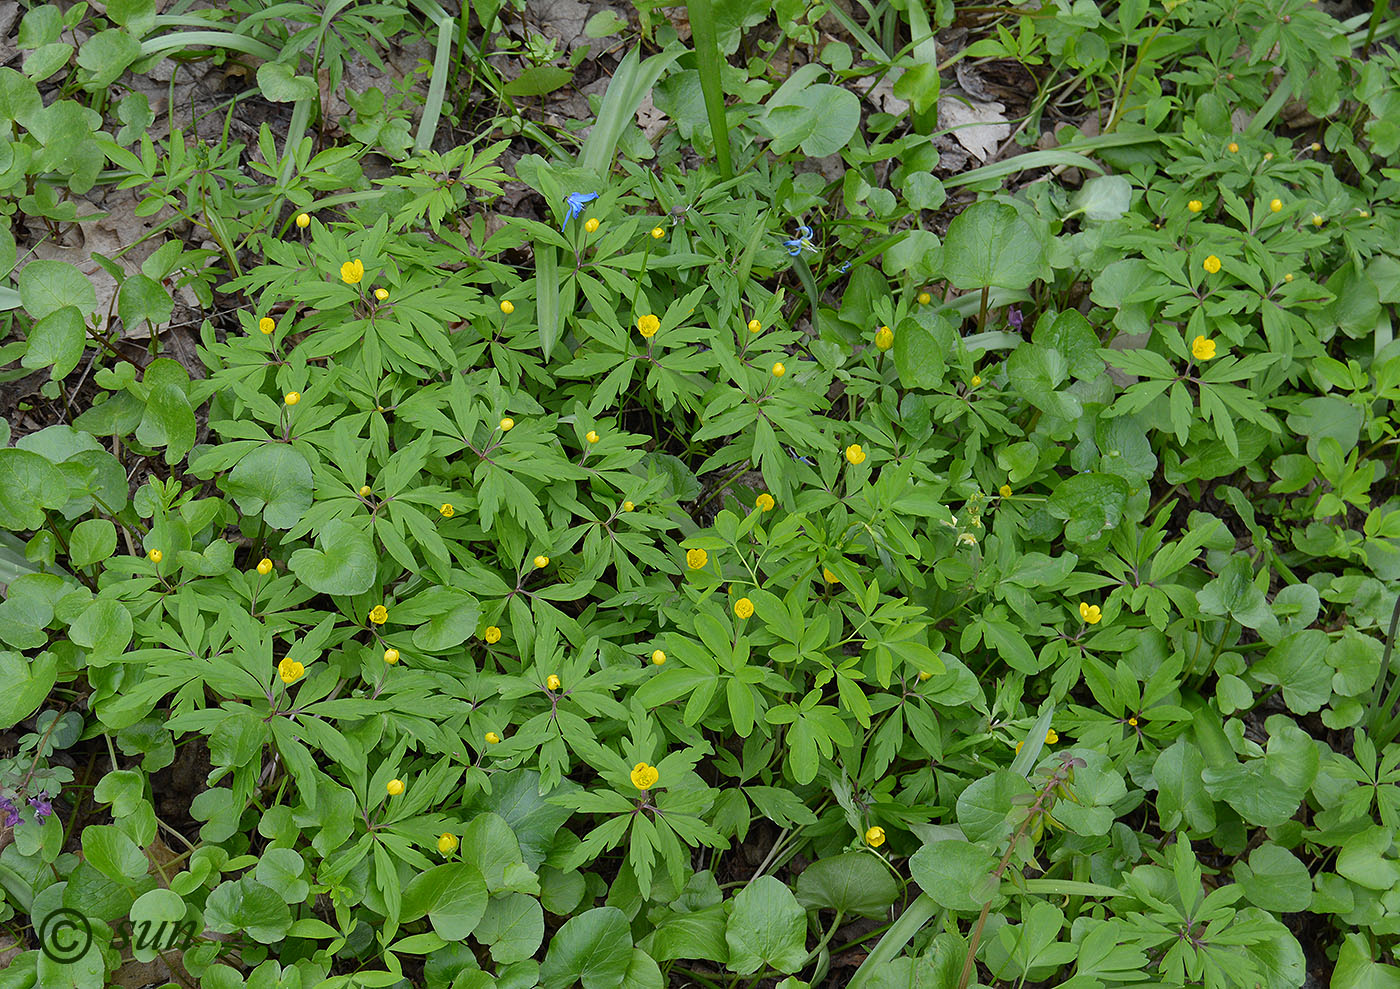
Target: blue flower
[[576, 201], [802, 242]]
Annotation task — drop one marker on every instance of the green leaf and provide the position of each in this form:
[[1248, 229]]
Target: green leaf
[[279, 83], [1234, 594], [513, 927], [538, 80], [1091, 505], [955, 874], [57, 339], [47, 286], [93, 541], [922, 344], [28, 485], [1036, 373], [1356, 970], [169, 417], [1293, 664], [109, 850], [106, 55], [854, 883], [453, 896], [281, 869], [346, 564], [246, 906], [767, 926], [989, 244], [450, 626], [143, 299], [594, 948], [1274, 879], [27, 684], [274, 480]]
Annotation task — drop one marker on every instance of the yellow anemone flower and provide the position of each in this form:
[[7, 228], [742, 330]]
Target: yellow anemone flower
[[492, 634], [1202, 349], [552, 682], [264, 566], [379, 614], [352, 271], [447, 844], [290, 671], [267, 324], [696, 558], [765, 502], [1211, 264], [391, 656], [644, 777], [1091, 613], [743, 608], [395, 787], [648, 325], [658, 658], [855, 454], [875, 836], [884, 338]]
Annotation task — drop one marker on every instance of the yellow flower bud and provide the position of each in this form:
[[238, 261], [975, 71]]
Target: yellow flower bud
[[292, 397], [779, 370], [391, 656], [743, 608], [592, 437], [884, 338], [755, 326], [541, 562], [1232, 147], [395, 787], [447, 511], [591, 225], [507, 306], [264, 566], [552, 682], [976, 380], [267, 324], [365, 490], [381, 294], [303, 220], [379, 614], [1211, 264], [507, 424], [924, 675], [492, 738], [925, 298], [156, 555], [765, 502], [830, 577], [875, 837], [1288, 277], [657, 233], [1005, 491], [1132, 722], [1275, 205], [1317, 220], [492, 635], [658, 658], [628, 506], [447, 844], [1195, 206]]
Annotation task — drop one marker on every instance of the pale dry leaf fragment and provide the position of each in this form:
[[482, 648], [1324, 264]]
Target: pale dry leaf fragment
[[979, 127]]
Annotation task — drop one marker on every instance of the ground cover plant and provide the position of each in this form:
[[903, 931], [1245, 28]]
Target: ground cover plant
[[788, 495]]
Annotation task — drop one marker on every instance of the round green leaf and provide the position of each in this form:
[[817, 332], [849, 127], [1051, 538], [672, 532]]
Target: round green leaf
[[56, 340], [767, 926], [345, 564], [955, 874], [513, 926], [281, 869], [990, 244], [93, 540], [143, 298], [28, 485], [594, 948], [854, 883], [274, 480], [47, 286], [246, 906], [1274, 879]]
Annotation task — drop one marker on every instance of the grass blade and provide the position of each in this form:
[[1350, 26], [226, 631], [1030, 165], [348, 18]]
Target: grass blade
[[213, 39], [547, 297], [910, 922], [629, 86], [707, 58]]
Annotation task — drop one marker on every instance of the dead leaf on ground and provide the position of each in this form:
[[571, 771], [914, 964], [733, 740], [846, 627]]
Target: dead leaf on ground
[[980, 127]]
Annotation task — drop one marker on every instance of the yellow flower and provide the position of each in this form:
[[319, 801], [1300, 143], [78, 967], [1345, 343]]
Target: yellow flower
[[1132, 722], [1288, 277], [1275, 205], [1195, 206], [507, 306], [381, 294], [379, 614], [696, 558], [391, 656], [855, 454], [884, 338], [1211, 264], [395, 787], [644, 777], [156, 555], [1090, 613], [592, 437], [292, 397], [303, 220], [648, 325], [591, 224], [628, 506], [264, 566], [447, 844], [1005, 491], [830, 577], [924, 675], [925, 298], [352, 271], [552, 682], [492, 738], [765, 502], [976, 380], [755, 326], [1051, 737], [1317, 220], [541, 562], [290, 670], [267, 324], [365, 491], [1232, 147], [779, 370], [658, 658], [1202, 349], [507, 424], [875, 837], [492, 634], [657, 233], [447, 511], [743, 608]]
